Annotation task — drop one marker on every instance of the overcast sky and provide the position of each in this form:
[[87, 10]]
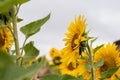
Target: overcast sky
[[103, 18]]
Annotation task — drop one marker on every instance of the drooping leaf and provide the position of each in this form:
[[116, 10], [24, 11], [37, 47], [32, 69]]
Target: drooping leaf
[[98, 47], [33, 27], [30, 52], [109, 72], [11, 71], [5, 5], [99, 63]]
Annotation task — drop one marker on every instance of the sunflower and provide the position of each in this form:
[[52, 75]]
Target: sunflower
[[6, 39], [74, 37], [55, 55], [110, 54], [69, 69], [76, 71]]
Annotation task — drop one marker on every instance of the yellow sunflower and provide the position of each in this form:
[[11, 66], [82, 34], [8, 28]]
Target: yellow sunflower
[[78, 70], [69, 69], [74, 36], [55, 55], [111, 59], [6, 39]]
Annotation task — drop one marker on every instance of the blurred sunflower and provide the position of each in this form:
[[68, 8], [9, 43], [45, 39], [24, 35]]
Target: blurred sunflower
[[78, 70], [55, 55], [74, 37], [6, 39], [69, 69], [110, 54]]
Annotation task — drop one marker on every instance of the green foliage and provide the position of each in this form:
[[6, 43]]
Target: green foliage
[[2, 24], [59, 77], [108, 73], [33, 27], [93, 39], [5, 5], [68, 77], [99, 63], [30, 52], [98, 47], [88, 67], [51, 76], [10, 71]]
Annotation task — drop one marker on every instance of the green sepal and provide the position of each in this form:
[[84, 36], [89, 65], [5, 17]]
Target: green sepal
[[98, 47]]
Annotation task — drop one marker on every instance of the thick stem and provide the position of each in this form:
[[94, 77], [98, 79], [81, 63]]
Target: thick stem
[[14, 21], [91, 62]]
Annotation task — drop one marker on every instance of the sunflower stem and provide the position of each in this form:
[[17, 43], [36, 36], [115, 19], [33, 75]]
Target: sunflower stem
[[14, 22], [23, 45], [91, 61]]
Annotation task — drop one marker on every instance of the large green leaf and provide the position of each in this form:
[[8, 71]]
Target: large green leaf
[[33, 27], [30, 52], [11, 71], [5, 5], [59, 77], [109, 72]]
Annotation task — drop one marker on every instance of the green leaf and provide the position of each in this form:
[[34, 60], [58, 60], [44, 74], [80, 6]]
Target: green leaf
[[30, 52], [58, 77], [99, 63], [109, 72], [68, 77], [80, 78], [11, 71], [5, 5], [98, 47], [51, 77], [2, 24], [88, 67], [33, 27]]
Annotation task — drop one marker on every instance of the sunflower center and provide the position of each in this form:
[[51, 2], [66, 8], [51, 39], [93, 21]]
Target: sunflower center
[[73, 43], [56, 60], [108, 63], [71, 67]]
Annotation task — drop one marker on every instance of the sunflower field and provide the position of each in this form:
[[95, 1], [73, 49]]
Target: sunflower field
[[77, 60]]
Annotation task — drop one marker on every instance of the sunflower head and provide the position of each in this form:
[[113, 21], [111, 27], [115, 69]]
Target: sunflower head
[[76, 36], [110, 54], [6, 39], [55, 55]]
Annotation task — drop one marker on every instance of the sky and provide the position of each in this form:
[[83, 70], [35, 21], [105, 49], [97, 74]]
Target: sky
[[102, 19]]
